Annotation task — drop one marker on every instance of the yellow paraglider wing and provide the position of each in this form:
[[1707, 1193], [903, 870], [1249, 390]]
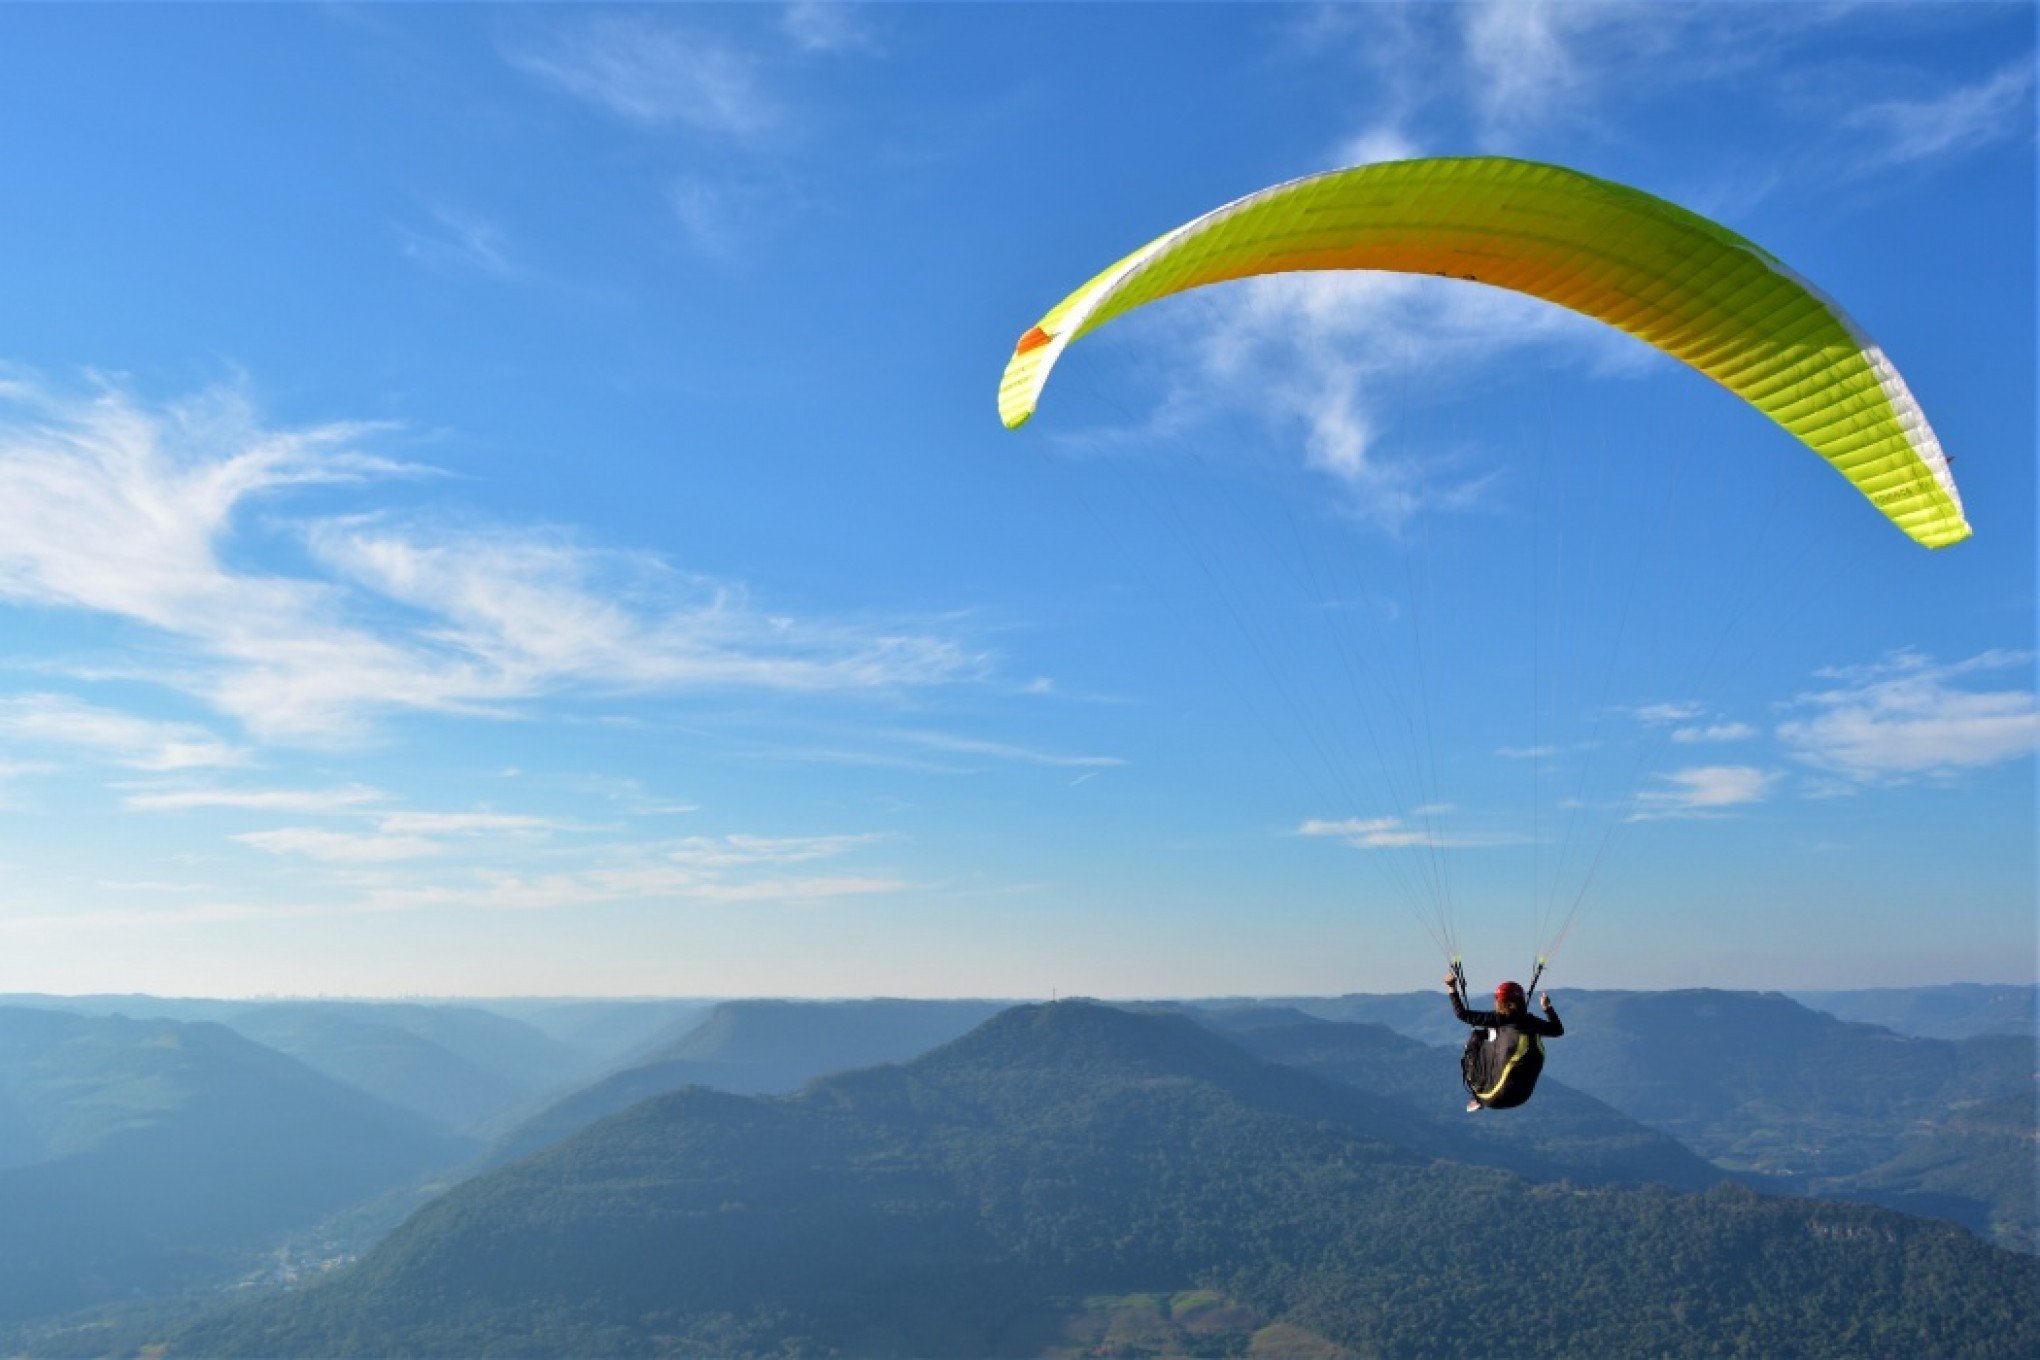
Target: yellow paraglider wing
[[1675, 280]]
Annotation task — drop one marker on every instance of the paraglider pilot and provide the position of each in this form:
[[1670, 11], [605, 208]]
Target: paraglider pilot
[[1505, 1052]]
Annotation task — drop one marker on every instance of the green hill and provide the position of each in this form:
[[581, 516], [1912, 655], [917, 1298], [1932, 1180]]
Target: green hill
[[148, 1154], [605, 1032], [359, 1045], [1066, 1170], [1759, 1083], [1961, 1010], [756, 1048]]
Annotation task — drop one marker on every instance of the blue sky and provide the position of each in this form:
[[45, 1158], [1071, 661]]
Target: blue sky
[[510, 501]]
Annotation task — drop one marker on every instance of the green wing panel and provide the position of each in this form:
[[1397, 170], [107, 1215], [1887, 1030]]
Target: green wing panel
[[1673, 279]]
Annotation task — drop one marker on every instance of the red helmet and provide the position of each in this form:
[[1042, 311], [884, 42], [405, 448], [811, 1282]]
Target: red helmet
[[1509, 993]]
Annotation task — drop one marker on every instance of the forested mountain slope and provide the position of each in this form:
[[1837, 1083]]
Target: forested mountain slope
[[756, 1048], [147, 1154], [971, 1201]]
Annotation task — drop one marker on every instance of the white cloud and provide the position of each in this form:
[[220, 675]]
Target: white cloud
[[655, 73], [1318, 353], [463, 824], [532, 608], [1382, 142], [1909, 715], [999, 750], [1677, 711], [397, 835], [1703, 790], [794, 889], [458, 240], [349, 799], [1393, 833], [140, 743], [340, 847], [733, 868], [137, 513], [1532, 65], [121, 510], [733, 215], [1522, 67], [826, 26], [1964, 119], [1726, 731], [725, 852]]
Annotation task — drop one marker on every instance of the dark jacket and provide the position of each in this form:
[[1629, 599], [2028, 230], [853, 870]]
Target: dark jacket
[[1504, 1054]]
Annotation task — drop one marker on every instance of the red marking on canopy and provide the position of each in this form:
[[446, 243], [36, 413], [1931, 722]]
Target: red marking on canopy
[[1034, 339]]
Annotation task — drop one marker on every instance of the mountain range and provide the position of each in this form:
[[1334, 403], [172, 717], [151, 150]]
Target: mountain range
[[147, 1155], [993, 1195]]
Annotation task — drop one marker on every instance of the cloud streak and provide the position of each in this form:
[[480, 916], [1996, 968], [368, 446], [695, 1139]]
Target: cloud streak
[[139, 743], [1911, 716], [1962, 120], [1005, 751], [460, 241], [139, 514], [653, 73], [1701, 791], [1394, 833], [347, 800], [720, 870]]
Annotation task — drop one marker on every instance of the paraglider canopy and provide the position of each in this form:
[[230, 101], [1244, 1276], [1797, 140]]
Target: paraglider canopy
[[1687, 285]]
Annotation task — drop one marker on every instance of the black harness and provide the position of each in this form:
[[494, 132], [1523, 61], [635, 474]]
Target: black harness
[[1500, 1066]]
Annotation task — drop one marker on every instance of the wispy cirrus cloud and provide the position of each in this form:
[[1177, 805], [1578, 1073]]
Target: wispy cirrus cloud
[[1508, 74], [1946, 124], [123, 738], [341, 847], [999, 750], [1528, 66], [827, 26], [140, 514], [396, 836], [726, 81], [727, 869], [349, 799], [654, 72], [465, 824], [455, 240], [1395, 833], [1909, 716], [731, 851], [1498, 73], [537, 606]]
